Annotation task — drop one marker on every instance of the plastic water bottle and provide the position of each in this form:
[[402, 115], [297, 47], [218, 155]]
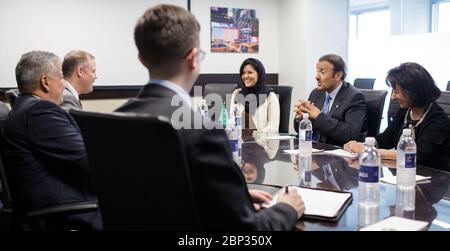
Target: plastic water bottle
[[406, 173], [204, 108], [233, 139], [305, 150], [237, 114], [368, 185]]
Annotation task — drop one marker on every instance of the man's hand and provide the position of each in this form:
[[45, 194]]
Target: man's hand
[[311, 109], [258, 197], [354, 147], [297, 109], [293, 199]]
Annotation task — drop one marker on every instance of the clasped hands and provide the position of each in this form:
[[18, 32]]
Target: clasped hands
[[306, 107]]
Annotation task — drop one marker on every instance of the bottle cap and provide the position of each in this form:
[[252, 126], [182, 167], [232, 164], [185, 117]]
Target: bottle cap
[[407, 132], [305, 116], [370, 141]]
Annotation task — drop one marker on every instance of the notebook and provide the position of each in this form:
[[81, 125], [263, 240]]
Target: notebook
[[295, 152], [393, 179], [321, 204], [342, 153], [395, 223]]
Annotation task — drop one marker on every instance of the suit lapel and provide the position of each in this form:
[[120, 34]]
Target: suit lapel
[[339, 98]]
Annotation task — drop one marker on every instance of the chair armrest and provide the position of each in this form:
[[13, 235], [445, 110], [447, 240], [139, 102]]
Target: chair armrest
[[66, 209]]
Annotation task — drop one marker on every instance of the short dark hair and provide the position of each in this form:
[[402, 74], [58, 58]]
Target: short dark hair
[[337, 62], [415, 82], [164, 35]]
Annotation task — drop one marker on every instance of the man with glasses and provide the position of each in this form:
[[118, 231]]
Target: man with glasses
[[79, 75], [336, 109], [167, 38]]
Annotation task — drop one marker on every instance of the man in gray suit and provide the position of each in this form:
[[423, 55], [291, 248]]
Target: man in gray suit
[[336, 109], [79, 75]]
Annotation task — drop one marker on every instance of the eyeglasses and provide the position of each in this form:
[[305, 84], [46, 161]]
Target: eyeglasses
[[201, 55]]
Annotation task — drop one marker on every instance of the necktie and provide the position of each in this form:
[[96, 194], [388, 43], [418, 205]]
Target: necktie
[[325, 110], [326, 104]]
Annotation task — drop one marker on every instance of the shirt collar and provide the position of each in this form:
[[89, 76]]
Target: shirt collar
[[72, 90], [175, 88], [334, 93]]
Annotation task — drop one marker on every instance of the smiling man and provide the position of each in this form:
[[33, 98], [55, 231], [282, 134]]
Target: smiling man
[[336, 109]]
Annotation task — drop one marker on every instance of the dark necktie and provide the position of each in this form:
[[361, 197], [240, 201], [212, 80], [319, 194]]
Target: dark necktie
[[325, 110]]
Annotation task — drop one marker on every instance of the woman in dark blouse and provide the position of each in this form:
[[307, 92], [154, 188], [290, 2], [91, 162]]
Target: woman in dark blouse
[[415, 90]]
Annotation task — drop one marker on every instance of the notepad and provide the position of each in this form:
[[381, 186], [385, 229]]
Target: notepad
[[395, 223], [295, 152], [342, 153], [279, 137], [393, 179], [321, 204]]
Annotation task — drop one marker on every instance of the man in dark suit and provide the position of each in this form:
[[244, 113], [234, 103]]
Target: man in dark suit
[[44, 154], [336, 109], [167, 38], [79, 72]]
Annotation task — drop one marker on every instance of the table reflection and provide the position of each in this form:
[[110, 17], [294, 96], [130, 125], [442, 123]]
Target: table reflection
[[341, 174]]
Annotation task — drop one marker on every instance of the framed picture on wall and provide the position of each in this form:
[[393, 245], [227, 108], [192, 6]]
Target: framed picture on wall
[[234, 30]]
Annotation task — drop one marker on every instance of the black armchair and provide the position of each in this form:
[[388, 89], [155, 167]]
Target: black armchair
[[141, 177], [374, 109], [284, 96]]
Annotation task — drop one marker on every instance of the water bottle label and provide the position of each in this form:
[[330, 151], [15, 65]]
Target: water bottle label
[[410, 160], [234, 145], [308, 176], [307, 135], [368, 174]]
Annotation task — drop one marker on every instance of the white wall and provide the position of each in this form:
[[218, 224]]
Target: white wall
[[266, 12], [105, 28], [102, 27], [308, 30]]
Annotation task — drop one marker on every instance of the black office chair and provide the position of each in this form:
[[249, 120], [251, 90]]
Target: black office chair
[[364, 83], [448, 86], [393, 108], [12, 95], [140, 172], [444, 102], [284, 96], [374, 110], [28, 220], [221, 89]]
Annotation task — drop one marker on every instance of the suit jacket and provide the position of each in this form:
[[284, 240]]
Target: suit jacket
[[219, 185], [45, 159], [69, 100], [346, 119]]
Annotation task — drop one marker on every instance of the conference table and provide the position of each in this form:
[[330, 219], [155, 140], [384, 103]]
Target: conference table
[[266, 166]]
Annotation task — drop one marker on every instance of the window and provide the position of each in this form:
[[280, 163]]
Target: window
[[441, 16], [370, 24]]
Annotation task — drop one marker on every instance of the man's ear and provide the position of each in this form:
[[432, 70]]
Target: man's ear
[[80, 71], [191, 59], [44, 84], [338, 75], [143, 61]]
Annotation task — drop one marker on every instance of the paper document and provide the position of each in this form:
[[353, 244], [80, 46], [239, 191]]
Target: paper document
[[393, 179], [395, 223], [295, 152], [279, 137], [319, 202], [342, 153]]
